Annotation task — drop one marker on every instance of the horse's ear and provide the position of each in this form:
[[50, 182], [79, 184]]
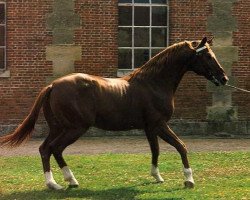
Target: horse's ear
[[203, 42], [210, 41]]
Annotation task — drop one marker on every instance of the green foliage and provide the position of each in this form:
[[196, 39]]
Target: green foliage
[[126, 176]]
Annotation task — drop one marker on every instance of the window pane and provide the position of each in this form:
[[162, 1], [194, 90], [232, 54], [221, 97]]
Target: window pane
[[159, 37], [2, 14], [141, 1], [125, 1], [125, 59], [155, 52], [125, 16], [141, 16], [125, 37], [159, 1], [2, 58], [159, 16], [2, 36], [141, 57], [141, 37]]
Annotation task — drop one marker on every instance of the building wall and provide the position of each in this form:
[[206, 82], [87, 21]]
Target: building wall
[[241, 68], [32, 40], [188, 21], [27, 38], [98, 37]]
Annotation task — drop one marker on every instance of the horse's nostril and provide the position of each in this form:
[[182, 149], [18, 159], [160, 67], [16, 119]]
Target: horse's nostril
[[224, 79]]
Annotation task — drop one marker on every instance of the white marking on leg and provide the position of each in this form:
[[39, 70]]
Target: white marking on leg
[[189, 181], [69, 176], [156, 174], [50, 181]]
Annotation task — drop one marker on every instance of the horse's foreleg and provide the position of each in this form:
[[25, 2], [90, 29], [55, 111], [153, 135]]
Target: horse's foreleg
[[69, 176], [170, 137], [154, 146]]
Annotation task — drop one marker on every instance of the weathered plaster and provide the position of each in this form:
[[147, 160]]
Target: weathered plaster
[[63, 21], [222, 24]]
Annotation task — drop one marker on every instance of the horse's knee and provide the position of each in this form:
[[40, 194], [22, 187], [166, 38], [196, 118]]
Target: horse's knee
[[182, 149]]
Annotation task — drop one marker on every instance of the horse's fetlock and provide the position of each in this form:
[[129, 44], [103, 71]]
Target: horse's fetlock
[[68, 178]]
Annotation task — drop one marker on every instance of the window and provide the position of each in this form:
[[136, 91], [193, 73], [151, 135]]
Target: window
[[142, 31], [2, 36]]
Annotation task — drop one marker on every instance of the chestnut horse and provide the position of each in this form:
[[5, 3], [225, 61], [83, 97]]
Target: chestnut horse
[[142, 100]]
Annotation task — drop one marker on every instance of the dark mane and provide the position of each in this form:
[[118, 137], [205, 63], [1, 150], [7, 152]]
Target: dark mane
[[164, 59]]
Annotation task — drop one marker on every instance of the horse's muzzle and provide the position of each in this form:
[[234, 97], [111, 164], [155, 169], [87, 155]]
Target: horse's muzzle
[[224, 80], [219, 81]]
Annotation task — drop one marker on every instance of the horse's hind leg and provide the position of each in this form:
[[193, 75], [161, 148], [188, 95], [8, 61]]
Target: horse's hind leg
[[45, 150], [57, 147], [45, 153]]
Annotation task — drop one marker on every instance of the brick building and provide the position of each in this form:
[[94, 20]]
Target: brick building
[[43, 40]]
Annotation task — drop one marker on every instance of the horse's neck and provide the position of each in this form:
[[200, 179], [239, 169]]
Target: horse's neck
[[173, 76], [168, 78]]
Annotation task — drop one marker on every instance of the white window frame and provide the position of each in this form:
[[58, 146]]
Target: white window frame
[[4, 47], [150, 5]]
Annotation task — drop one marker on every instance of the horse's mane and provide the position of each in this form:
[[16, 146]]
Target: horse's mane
[[164, 59]]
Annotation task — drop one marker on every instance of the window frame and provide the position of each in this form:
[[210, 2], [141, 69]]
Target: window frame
[[5, 36], [150, 27]]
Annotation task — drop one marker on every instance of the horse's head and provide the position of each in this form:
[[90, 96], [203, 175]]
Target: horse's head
[[205, 63]]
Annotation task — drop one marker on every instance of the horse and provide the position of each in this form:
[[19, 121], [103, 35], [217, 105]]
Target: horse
[[143, 99]]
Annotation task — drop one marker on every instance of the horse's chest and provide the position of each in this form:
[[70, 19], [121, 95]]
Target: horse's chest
[[164, 106]]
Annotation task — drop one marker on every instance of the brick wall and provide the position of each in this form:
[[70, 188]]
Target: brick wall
[[28, 36], [98, 37], [241, 69], [26, 41]]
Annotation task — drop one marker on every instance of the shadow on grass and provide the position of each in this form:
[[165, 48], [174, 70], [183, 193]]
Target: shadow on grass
[[124, 193], [117, 193]]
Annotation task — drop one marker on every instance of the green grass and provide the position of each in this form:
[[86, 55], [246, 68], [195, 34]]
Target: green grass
[[126, 176]]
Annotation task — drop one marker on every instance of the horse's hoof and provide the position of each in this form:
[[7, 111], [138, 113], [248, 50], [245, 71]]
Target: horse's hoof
[[54, 186], [73, 186], [189, 184], [158, 178], [160, 181]]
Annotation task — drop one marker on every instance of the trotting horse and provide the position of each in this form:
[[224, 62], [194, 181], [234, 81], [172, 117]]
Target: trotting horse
[[143, 99]]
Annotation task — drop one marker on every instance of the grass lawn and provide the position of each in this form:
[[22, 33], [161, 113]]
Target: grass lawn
[[126, 176]]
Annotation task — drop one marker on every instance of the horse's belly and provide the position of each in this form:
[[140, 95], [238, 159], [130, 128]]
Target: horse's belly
[[118, 122]]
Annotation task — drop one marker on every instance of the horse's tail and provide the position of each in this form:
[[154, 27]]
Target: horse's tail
[[24, 130]]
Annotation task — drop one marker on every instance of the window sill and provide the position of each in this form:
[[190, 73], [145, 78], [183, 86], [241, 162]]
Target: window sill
[[5, 74], [123, 72]]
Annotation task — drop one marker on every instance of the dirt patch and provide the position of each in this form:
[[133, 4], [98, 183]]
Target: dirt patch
[[138, 144]]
